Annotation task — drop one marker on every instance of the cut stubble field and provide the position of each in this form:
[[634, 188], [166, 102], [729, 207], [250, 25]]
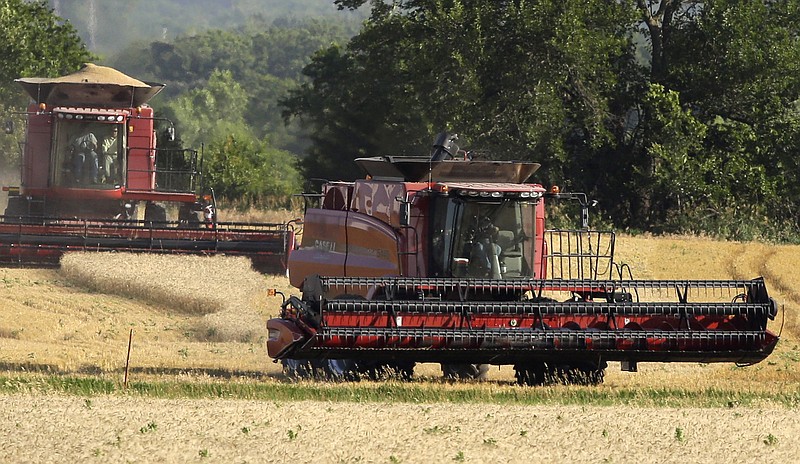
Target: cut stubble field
[[198, 323], [124, 429]]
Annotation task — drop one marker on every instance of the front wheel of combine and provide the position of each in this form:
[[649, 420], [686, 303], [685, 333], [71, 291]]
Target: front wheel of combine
[[324, 369], [532, 374], [541, 373], [16, 209], [586, 374], [465, 371], [399, 370], [297, 369], [154, 213], [187, 218]]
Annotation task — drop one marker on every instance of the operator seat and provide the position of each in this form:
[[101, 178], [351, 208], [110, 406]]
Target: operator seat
[[511, 254]]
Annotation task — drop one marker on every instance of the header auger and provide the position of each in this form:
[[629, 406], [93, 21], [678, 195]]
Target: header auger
[[446, 259]]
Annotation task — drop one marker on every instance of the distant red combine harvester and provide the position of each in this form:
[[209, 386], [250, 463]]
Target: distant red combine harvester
[[93, 179]]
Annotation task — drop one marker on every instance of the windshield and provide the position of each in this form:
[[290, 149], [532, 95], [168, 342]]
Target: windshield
[[483, 239], [88, 154]]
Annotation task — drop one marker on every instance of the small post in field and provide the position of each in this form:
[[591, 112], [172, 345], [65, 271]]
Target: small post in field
[[128, 360]]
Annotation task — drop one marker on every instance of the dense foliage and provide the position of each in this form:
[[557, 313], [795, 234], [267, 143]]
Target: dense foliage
[[265, 58], [222, 92], [34, 43], [676, 115]]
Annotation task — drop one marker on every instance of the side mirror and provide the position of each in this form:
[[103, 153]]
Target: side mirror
[[405, 214], [9, 127], [405, 211]]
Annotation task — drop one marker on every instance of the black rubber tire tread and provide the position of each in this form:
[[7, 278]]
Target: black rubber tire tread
[[532, 375], [537, 374], [465, 371], [155, 213], [16, 208]]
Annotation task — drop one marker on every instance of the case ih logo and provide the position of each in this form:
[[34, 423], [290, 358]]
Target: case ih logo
[[328, 245]]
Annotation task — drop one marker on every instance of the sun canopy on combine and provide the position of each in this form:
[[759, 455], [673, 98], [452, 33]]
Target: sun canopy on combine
[[422, 169], [93, 85]]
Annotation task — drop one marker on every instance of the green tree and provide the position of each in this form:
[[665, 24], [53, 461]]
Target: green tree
[[35, 43], [250, 172], [109, 26], [237, 165], [265, 58], [734, 65], [210, 112], [672, 137], [661, 17], [523, 80]]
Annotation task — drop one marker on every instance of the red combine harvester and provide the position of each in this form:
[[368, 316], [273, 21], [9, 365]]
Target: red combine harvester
[[436, 259], [93, 179]]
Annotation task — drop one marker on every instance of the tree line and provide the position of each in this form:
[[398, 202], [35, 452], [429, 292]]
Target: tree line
[[675, 115], [223, 91], [108, 26]]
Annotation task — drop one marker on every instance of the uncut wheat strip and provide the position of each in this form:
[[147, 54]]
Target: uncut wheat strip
[[191, 284], [225, 291], [258, 215]]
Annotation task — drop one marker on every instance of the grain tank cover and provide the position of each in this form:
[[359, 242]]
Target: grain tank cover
[[92, 86], [422, 169]]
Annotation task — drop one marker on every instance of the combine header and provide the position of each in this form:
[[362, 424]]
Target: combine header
[[449, 260], [93, 179]]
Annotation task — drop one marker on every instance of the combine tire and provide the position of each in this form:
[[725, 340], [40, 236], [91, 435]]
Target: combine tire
[[400, 370], [587, 374], [297, 369], [346, 370], [323, 369], [541, 373], [533, 374], [465, 371], [154, 213], [17, 207], [187, 218]]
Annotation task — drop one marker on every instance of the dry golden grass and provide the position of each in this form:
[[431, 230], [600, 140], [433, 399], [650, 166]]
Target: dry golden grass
[[196, 318], [208, 313], [186, 313], [190, 284], [279, 216], [131, 429]]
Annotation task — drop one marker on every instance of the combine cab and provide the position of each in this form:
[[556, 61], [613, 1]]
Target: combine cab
[[449, 260], [93, 179]]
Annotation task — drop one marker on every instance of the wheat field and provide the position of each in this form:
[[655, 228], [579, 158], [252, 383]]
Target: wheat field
[[122, 429], [201, 319]]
